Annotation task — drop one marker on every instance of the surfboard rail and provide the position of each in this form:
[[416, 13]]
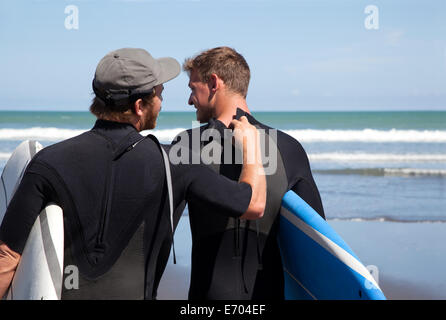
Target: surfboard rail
[[39, 273], [318, 263]]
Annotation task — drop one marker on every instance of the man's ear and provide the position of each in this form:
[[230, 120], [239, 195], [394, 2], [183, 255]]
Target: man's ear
[[138, 106], [214, 82]]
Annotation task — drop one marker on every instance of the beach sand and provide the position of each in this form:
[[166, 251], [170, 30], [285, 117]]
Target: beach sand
[[410, 258]]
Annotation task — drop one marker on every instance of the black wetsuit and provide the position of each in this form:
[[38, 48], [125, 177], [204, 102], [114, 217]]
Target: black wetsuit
[[237, 259], [115, 205]]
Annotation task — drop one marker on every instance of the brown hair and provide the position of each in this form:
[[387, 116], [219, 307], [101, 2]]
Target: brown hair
[[101, 110], [225, 62]]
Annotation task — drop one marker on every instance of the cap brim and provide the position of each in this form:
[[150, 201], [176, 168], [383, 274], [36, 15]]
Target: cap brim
[[170, 68]]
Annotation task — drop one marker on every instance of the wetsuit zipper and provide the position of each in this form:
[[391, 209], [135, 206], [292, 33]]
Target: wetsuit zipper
[[100, 246], [237, 257], [237, 238], [240, 278], [109, 189]]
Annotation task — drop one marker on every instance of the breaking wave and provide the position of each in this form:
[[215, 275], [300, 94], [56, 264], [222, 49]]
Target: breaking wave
[[385, 172], [369, 135], [377, 157], [305, 135], [388, 219]]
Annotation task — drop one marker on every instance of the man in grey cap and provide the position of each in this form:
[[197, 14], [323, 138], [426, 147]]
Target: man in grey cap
[[115, 189]]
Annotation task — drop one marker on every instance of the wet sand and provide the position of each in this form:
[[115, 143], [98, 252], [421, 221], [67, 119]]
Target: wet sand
[[411, 257]]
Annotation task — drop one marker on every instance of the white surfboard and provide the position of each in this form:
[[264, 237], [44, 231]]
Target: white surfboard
[[13, 171], [40, 271]]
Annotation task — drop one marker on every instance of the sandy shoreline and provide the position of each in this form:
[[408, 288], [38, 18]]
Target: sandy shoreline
[[410, 258]]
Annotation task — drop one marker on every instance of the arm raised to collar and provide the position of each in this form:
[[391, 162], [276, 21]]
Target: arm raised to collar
[[247, 138]]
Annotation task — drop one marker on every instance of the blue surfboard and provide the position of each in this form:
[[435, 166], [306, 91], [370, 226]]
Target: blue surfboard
[[317, 262]]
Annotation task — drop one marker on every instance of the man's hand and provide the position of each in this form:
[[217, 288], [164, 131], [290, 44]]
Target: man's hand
[[9, 260], [247, 138]]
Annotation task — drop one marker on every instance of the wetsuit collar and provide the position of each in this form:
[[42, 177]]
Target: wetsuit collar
[[107, 125], [220, 126], [116, 132], [240, 113]]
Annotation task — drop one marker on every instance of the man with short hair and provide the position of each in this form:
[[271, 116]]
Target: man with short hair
[[233, 258], [112, 184]]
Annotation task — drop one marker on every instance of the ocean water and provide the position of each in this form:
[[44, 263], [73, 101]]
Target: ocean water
[[380, 166]]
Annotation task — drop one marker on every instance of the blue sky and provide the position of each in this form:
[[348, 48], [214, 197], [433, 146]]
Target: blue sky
[[303, 55]]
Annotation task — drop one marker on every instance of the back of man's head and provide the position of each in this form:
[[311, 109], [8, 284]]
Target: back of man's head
[[226, 63], [126, 75]]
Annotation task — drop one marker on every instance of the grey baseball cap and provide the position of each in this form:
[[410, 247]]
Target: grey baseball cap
[[130, 71]]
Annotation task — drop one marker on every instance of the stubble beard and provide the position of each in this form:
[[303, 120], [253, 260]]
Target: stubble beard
[[204, 114]]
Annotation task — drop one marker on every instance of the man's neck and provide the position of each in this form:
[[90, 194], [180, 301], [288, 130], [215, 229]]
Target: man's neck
[[227, 108]]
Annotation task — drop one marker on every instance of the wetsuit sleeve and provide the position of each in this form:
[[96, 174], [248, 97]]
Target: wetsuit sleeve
[[29, 199], [300, 178], [215, 191]]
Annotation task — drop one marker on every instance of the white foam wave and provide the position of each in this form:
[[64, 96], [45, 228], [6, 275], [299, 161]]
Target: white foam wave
[[58, 134], [305, 135], [384, 171], [387, 219], [374, 157], [365, 135], [414, 172], [5, 155], [38, 133], [164, 135], [368, 135]]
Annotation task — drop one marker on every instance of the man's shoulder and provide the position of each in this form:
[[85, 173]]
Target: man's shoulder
[[287, 138], [283, 139], [289, 147], [63, 146]]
